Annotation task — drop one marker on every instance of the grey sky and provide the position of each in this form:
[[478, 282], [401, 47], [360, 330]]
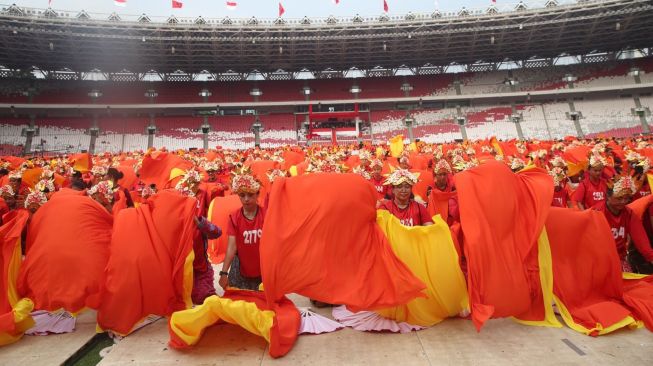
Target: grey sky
[[265, 8]]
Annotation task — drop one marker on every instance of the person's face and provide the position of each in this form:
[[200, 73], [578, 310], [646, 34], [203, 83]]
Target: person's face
[[595, 172], [618, 203], [402, 191], [212, 176], [33, 207], [377, 171], [441, 178], [249, 200], [15, 184]]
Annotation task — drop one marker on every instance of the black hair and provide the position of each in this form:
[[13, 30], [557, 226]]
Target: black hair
[[115, 174], [78, 185]]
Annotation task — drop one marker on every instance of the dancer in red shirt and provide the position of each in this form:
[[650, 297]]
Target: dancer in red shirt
[[624, 224], [242, 263], [407, 210], [382, 191], [593, 189], [561, 197]]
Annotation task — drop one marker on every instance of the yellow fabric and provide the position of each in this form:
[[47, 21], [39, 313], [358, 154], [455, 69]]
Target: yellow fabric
[[176, 172], [430, 254], [412, 147], [397, 146], [649, 177], [20, 307], [546, 280], [379, 152], [189, 324], [188, 279], [292, 170], [574, 168], [633, 276], [496, 146], [23, 320], [569, 320]]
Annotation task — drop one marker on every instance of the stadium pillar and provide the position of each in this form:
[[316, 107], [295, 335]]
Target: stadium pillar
[[29, 133], [640, 111], [575, 116], [205, 133], [408, 121], [93, 131], [151, 130], [257, 128]]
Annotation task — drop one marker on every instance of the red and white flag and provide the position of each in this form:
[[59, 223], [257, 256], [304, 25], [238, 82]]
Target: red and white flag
[[232, 5], [336, 2], [385, 6], [121, 3], [281, 10], [177, 4]]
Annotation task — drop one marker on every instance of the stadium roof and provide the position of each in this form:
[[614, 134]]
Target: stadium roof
[[51, 40]]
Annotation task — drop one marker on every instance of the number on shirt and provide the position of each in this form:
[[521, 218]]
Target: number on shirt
[[252, 236], [618, 233]]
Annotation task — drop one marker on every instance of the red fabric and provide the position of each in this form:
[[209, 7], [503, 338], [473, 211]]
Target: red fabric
[[83, 163], [380, 189], [145, 272], [156, 169], [638, 295], [14, 161], [67, 250], [248, 240], [69, 192], [424, 181], [4, 208], [587, 274], [502, 215], [222, 208], [291, 158], [10, 233], [129, 178], [415, 214], [331, 249]]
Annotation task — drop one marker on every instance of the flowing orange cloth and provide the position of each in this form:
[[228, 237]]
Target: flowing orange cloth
[[151, 263], [82, 162], [638, 295], [586, 271], [502, 215], [14, 318], [424, 180], [157, 168], [219, 211], [438, 203], [330, 248], [13, 160], [67, 249], [129, 178], [278, 324], [291, 158]]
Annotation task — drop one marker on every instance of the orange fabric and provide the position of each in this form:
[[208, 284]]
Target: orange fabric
[[331, 249], [67, 249], [438, 203], [587, 274], [156, 168], [638, 295], [220, 209], [149, 250], [423, 182], [82, 162], [69, 192], [502, 215], [13, 160], [129, 178], [291, 158], [418, 161], [261, 167], [31, 176], [639, 206]]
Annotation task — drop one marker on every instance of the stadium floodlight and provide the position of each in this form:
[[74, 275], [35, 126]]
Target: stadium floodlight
[[205, 93], [94, 94], [256, 92], [406, 87], [355, 89], [408, 121], [306, 90]]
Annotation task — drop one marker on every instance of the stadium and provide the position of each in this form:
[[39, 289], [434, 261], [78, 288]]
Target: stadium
[[78, 83]]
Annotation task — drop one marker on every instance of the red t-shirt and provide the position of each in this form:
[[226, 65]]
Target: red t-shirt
[[643, 191], [590, 194], [380, 189], [415, 214], [248, 240], [560, 198], [623, 225]]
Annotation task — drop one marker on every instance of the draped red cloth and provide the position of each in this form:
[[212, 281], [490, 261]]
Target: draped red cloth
[[129, 178], [67, 249], [156, 168], [219, 212], [291, 158], [331, 249], [424, 180], [638, 295], [149, 264], [502, 215], [13, 160], [586, 268]]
